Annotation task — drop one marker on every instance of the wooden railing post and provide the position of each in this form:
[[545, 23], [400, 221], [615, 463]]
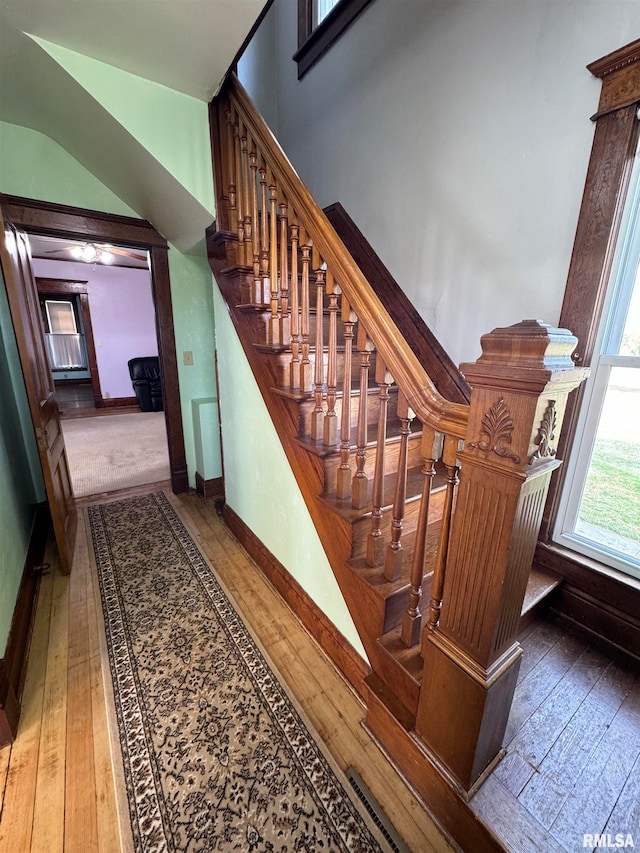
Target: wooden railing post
[[471, 658]]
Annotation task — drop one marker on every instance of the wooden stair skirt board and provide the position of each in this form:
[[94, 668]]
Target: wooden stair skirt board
[[12, 665], [428, 508]]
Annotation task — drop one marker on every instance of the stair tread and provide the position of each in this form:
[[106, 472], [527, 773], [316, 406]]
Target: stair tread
[[318, 448], [409, 658]]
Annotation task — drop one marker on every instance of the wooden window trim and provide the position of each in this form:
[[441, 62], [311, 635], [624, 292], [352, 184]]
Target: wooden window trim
[[314, 42], [607, 184]]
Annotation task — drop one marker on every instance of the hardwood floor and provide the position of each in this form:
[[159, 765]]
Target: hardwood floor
[[572, 766], [56, 780]]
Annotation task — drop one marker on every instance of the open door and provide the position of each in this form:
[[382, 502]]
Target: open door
[[25, 313]]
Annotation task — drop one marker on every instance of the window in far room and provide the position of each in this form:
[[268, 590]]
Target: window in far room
[[320, 23]]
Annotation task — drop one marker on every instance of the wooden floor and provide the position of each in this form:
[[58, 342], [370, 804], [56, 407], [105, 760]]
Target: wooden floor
[[572, 766], [56, 782]]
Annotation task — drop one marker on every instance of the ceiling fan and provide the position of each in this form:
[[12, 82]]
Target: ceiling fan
[[92, 253]]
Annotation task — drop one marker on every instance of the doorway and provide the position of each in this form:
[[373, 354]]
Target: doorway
[[75, 224]]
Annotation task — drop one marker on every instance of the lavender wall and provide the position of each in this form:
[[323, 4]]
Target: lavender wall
[[122, 316]]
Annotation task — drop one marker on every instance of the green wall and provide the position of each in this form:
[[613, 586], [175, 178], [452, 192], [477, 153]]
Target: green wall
[[260, 486], [35, 166], [21, 486]]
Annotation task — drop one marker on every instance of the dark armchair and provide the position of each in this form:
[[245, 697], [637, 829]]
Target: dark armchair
[[145, 377]]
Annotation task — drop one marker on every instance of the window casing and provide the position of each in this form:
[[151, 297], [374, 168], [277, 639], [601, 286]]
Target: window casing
[[320, 23], [599, 509]]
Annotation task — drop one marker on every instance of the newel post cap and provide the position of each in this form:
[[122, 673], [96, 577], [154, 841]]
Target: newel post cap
[[527, 352]]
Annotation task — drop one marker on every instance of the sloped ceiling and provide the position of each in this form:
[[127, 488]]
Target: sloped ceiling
[[184, 45]]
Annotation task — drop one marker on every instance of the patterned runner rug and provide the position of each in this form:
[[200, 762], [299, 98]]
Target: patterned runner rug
[[215, 755]]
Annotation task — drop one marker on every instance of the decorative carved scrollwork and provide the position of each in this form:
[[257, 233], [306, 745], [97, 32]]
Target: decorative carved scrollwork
[[546, 434], [497, 431]]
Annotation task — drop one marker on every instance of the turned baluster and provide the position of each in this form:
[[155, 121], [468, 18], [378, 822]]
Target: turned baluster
[[265, 290], [273, 325], [393, 556], [294, 367], [255, 236], [239, 200], [343, 485], [375, 543], [450, 459], [330, 431], [231, 164], [317, 416], [285, 319], [360, 482], [246, 195], [412, 620], [305, 363]]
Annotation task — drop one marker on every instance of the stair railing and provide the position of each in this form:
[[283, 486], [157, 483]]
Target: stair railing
[[295, 271]]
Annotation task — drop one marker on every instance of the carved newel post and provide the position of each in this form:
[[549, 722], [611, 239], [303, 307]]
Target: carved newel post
[[471, 658]]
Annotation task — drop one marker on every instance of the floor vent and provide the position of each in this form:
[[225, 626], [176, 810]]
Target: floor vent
[[375, 812]]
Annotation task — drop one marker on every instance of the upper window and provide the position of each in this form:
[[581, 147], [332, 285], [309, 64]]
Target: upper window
[[599, 512], [320, 23]]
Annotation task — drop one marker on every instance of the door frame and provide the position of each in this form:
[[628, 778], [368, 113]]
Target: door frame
[[74, 223]]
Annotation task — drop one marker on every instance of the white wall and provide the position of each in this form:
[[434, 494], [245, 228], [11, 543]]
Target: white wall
[[457, 136]]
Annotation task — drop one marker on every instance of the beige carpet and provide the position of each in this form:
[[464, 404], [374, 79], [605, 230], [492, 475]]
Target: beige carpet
[[116, 452]]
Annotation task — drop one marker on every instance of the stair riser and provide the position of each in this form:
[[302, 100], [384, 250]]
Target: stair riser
[[392, 449]]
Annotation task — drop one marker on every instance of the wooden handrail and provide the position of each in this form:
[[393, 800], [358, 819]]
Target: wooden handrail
[[421, 394]]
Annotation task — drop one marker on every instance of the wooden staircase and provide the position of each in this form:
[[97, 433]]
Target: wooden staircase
[[428, 507]]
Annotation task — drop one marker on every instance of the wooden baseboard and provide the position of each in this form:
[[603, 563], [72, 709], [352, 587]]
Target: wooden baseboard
[[337, 648], [213, 488], [12, 665], [116, 402], [602, 604]]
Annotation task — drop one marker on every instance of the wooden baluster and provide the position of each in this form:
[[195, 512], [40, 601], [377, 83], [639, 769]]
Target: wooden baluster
[[246, 195], [273, 324], [343, 484], [330, 429], [450, 459], [375, 544], [360, 482], [265, 290], [255, 236], [317, 416], [285, 318], [231, 165], [393, 556], [294, 367], [305, 363], [412, 620], [239, 200]]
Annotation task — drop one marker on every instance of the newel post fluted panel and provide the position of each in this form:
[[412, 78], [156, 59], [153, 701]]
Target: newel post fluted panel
[[471, 657]]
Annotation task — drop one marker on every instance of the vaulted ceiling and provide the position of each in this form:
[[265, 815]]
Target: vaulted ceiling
[[91, 75]]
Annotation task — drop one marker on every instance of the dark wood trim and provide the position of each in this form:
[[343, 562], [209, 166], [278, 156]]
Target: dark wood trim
[[78, 288], [62, 220], [314, 42], [620, 75], [117, 403], [605, 193], [603, 603], [245, 44], [75, 223], [12, 665], [213, 488], [323, 631], [444, 374]]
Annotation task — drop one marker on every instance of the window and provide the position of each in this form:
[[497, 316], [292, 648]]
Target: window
[[599, 512], [60, 317], [320, 23]]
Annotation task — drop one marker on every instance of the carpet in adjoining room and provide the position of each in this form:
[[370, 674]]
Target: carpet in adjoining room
[[215, 754], [116, 452]]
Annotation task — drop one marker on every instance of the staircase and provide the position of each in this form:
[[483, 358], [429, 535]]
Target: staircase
[[428, 506]]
